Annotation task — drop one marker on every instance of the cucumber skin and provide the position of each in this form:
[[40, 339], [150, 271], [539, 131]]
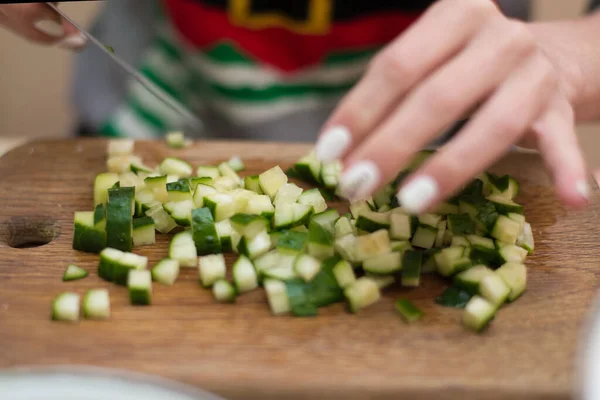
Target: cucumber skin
[[120, 273], [80, 275], [205, 234], [140, 297], [88, 239], [106, 269], [119, 220]]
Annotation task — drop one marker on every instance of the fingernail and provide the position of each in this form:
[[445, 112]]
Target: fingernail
[[49, 27], [418, 194], [583, 188], [73, 42], [360, 180], [333, 144]]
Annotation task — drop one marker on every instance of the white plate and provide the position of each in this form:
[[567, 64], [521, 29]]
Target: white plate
[[88, 383]]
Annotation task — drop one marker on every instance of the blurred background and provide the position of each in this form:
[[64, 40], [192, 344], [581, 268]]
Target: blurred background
[[35, 80]]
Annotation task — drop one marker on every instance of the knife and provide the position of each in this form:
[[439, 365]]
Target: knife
[[190, 119]]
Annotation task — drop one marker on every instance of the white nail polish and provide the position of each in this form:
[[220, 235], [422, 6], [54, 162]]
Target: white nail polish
[[73, 42], [360, 180], [418, 194], [333, 144], [49, 27], [583, 188]]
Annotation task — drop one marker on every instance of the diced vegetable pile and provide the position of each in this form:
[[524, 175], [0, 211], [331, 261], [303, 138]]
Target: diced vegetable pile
[[304, 254]]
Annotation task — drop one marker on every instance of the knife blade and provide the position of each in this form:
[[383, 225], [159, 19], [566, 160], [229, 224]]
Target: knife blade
[[189, 117]]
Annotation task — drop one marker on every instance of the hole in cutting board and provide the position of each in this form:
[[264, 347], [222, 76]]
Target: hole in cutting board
[[29, 232]]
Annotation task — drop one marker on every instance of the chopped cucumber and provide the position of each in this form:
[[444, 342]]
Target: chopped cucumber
[[202, 191], [358, 207], [470, 279], [401, 226], [143, 232], [255, 247], [383, 264], [330, 174], [224, 291], [430, 219], [119, 218], [180, 211], [120, 147], [211, 268], [343, 227], [407, 310], [411, 268], [505, 206], [447, 258], [512, 253], [454, 297], [277, 296], [291, 215], [96, 304], [207, 171], [139, 284], [158, 186], [525, 238], [261, 205], [291, 242], [373, 244], [344, 274], [204, 232], [87, 237], [506, 230], [361, 294], [346, 248], [200, 180], [236, 164], [249, 225], [244, 275], [494, 289], [314, 199], [270, 181], [309, 169], [182, 248], [326, 219], [478, 313], [371, 221], [221, 206], [288, 193], [179, 191], [225, 184], [515, 276], [460, 241], [176, 140], [439, 237], [227, 171], [73, 273], [175, 166], [166, 271], [283, 270], [320, 241], [425, 236], [102, 183], [461, 224], [225, 233], [65, 307], [306, 266], [251, 183], [382, 281]]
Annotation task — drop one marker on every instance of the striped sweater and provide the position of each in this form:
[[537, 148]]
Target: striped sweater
[[263, 69]]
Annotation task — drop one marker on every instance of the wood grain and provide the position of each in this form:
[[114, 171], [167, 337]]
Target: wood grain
[[242, 351]]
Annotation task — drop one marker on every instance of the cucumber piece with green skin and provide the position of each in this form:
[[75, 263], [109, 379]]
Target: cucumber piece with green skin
[[411, 268], [180, 211], [429, 264], [314, 199], [129, 179], [175, 166], [320, 241], [461, 224], [383, 196], [470, 279], [382, 281], [166, 271], [86, 237], [204, 232], [345, 246], [520, 218], [400, 246], [96, 304], [446, 260], [119, 218], [245, 277], [460, 241], [176, 140], [143, 232], [224, 291], [142, 200], [249, 225], [373, 244], [506, 187], [225, 184], [478, 313], [505, 206], [408, 311], [290, 215], [506, 230], [179, 191], [306, 266], [292, 242], [439, 237], [271, 180], [73, 273], [208, 171], [401, 226], [199, 180], [494, 289], [486, 217], [275, 260], [446, 208], [277, 297], [236, 164], [225, 231], [454, 297], [100, 218], [430, 219], [65, 307], [261, 205], [255, 247], [515, 276], [162, 220], [299, 299], [383, 264], [525, 238], [425, 236], [512, 253], [158, 186], [109, 258], [343, 227], [202, 191], [308, 169], [139, 284], [330, 174], [139, 169], [183, 249], [370, 221], [127, 262], [211, 269], [361, 294], [251, 183], [326, 219], [283, 270], [344, 274], [221, 206], [357, 207], [288, 193], [102, 183], [226, 170]]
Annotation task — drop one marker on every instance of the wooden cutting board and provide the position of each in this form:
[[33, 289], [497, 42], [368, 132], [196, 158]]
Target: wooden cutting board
[[241, 351]]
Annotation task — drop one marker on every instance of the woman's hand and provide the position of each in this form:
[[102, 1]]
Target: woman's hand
[[460, 55], [40, 23]]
